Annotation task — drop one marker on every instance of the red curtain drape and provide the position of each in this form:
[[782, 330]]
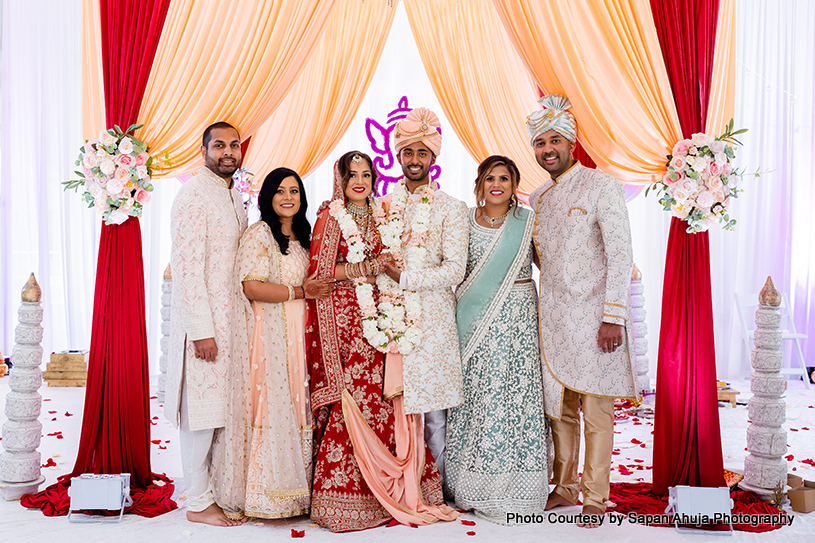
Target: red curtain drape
[[115, 435], [687, 441]]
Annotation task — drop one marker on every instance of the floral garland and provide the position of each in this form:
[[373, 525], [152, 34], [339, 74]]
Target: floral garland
[[700, 181], [394, 326], [116, 173]]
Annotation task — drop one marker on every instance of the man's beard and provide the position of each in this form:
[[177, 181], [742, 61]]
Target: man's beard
[[420, 176], [221, 170]]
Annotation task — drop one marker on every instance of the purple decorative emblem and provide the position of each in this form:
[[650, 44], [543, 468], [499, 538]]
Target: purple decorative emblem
[[383, 156]]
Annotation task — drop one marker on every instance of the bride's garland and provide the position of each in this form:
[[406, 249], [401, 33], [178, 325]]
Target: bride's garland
[[395, 324]]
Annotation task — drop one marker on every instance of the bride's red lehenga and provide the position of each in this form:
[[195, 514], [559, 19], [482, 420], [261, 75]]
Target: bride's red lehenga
[[339, 357]]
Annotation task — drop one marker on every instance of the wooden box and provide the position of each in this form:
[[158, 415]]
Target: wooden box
[[802, 498], [67, 369]]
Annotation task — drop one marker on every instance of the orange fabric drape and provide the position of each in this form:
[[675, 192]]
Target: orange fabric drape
[[605, 56], [224, 61], [93, 92], [722, 101], [323, 101], [480, 81]]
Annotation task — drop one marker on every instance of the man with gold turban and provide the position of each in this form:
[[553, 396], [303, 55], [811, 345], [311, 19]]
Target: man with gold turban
[[435, 256], [583, 240]]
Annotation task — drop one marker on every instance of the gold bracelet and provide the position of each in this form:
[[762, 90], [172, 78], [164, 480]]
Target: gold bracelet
[[291, 293]]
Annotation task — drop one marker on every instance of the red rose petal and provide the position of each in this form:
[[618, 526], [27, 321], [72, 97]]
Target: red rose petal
[[793, 429], [68, 414], [51, 412], [804, 428], [467, 522], [413, 525], [470, 533], [394, 522], [162, 447], [156, 441], [615, 452], [809, 461], [635, 441], [154, 397], [296, 533], [49, 463], [789, 457]]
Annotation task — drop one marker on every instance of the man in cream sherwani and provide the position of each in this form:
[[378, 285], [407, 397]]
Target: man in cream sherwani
[[207, 221], [583, 240], [432, 371]]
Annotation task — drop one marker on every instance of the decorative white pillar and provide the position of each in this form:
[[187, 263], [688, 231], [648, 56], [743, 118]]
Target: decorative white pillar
[[20, 460], [639, 331], [765, 467], [166, 302]]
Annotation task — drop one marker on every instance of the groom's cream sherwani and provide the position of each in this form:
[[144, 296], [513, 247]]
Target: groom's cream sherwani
[[432, 371]]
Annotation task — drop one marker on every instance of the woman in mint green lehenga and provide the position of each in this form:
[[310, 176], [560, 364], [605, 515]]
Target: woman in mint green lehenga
[[496, 451]]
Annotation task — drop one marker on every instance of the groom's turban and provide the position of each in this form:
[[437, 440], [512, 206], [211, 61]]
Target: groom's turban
[[553, 116], [422, 125]]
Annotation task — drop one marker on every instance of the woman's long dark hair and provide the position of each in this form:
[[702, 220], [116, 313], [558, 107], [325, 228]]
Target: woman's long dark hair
[[299, 225]]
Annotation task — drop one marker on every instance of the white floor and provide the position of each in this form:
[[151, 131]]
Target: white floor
[[62, 412]]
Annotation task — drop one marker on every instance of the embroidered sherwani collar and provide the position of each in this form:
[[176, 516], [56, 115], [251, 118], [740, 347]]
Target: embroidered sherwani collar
[[568, 174], [217, 179]]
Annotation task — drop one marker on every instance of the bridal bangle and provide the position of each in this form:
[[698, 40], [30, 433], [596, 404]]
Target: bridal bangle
[[291, 293]]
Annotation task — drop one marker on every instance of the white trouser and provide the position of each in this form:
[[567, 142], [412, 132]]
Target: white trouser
[[435, 427], [196, 447]]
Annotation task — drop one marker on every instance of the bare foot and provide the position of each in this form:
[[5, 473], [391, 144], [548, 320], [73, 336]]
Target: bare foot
[[593, 517], [214, 516], [556, 500]]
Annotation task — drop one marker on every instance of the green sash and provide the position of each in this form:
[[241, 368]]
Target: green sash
[[490, 281]]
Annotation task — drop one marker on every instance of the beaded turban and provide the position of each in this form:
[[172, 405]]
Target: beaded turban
[[552, 116], [422, 125]]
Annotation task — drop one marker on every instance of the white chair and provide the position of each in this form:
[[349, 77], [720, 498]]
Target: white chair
[[788, 332]]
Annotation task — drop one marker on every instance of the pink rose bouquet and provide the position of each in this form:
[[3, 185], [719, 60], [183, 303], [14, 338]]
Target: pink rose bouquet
[[116, 173], [700, 180]]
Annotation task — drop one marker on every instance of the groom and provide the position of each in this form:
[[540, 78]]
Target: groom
[[432, 370]]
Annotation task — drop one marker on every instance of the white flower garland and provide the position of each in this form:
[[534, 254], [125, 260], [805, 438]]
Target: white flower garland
[[394, 326]]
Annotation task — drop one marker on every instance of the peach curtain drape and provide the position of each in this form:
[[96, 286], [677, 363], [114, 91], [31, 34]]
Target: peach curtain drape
[[230, 61], [93, 95], [323, 101], [605, 56], [479, 79], [722, 101]]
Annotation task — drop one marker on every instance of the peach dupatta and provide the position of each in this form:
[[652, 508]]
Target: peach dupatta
[[394, 480]]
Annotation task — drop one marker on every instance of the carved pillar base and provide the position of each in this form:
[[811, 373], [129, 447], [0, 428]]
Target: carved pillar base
[[765, 468], [166, 302], [639, 331], [20, 461]]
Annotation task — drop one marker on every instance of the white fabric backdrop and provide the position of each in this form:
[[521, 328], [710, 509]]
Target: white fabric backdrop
[[49, 232]]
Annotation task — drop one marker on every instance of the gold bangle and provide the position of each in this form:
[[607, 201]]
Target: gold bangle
[[291, 293]]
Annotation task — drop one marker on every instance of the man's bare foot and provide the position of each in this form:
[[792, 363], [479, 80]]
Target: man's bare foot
[[556, 500], [214, 516], [593, 517]]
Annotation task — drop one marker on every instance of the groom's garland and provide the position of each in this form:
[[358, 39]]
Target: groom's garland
[[394, 325]]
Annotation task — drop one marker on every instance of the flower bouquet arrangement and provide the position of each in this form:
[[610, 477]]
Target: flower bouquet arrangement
[[116, 172], [243, 182], [701, 181]]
